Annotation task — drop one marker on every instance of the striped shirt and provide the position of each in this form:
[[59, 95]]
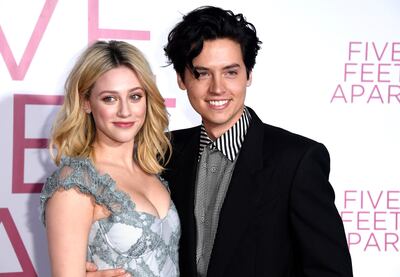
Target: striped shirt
[[231, 141], [217, 161]]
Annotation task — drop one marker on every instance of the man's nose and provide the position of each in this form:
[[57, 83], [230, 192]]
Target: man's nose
[[217, 84]]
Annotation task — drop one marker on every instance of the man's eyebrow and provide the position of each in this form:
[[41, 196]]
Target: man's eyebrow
[[200, 68], [231, 66]]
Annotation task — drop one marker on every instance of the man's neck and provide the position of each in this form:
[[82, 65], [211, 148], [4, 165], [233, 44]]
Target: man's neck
[[214, 131]]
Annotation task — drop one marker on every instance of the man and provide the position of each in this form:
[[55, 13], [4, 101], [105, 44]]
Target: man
[[253, 199]]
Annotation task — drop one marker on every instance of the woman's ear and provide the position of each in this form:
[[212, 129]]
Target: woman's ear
[[86, 106]]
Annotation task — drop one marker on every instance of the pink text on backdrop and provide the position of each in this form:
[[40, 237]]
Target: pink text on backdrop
[[384, 242], [356, 93], [371, 74], [17, 244], [18, 71], [372, 219], [94, 32], [21, 142], [388, 51], [361, 199]]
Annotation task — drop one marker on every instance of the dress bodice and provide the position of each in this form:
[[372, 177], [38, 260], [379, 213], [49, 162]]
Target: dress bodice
[[142, 243]]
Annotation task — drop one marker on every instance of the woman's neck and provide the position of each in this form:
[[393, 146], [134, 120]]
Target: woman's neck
[[121, 155]]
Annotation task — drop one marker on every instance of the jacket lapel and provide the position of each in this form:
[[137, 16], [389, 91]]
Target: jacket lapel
[[239, 201], [182, 192]]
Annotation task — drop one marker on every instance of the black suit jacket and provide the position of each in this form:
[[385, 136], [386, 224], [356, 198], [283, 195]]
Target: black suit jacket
[[278, 218]]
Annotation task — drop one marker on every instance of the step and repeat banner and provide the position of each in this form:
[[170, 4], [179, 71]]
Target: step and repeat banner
[[329, 70]]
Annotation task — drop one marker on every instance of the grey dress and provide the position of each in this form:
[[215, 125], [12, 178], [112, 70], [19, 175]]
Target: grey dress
[[139, 242]]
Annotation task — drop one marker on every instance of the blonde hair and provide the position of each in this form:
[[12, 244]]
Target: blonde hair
[[74, 131]]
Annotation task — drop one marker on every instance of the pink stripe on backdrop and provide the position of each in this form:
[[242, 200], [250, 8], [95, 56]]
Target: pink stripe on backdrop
[[170, 102]]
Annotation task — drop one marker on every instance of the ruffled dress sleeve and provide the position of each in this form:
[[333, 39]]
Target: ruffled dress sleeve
[[79, 173]]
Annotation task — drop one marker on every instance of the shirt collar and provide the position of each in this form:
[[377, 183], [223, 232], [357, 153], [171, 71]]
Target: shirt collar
[[230, 142]]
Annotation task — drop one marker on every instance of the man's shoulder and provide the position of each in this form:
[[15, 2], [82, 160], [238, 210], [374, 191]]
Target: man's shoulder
[[285, 136], [279, 140], [184, 147], [185, 131], [278, 135], [182, 135], [284, 144]]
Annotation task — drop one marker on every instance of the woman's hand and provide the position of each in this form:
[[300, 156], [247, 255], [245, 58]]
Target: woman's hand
[[91, 271]]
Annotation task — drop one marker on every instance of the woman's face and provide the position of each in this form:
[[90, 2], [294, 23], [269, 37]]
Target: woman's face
[[118, 105]]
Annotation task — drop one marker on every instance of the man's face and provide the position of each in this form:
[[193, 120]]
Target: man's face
[[218, 94]]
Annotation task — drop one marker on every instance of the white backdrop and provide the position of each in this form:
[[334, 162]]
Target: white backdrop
[[329, 70]]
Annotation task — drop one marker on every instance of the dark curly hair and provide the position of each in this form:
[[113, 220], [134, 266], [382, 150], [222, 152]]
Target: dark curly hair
[[185, 41]]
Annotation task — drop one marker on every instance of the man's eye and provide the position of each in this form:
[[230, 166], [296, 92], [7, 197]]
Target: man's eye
[[232, 73], [203, 74]]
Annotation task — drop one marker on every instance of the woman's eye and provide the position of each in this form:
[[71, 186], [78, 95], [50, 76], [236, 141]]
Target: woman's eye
[[109, 99], [136, 97]]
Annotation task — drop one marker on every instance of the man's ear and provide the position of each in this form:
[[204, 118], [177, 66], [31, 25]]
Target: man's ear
[[181, 84], [248, 83]]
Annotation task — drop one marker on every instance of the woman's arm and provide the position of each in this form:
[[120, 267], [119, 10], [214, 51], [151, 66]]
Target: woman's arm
[[69, 216]]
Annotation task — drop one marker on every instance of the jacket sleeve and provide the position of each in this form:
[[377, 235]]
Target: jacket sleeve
[[320, 243]]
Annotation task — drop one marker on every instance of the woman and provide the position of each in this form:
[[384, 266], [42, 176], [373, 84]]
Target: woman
[[106, 202]]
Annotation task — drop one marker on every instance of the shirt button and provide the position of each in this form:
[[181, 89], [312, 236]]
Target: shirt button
[[213, 169]]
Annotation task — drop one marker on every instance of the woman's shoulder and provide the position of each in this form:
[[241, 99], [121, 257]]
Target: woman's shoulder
[[72, 171], [80, 174]]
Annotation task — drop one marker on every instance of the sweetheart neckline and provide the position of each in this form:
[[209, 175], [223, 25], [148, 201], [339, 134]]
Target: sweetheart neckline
[[126, 195]]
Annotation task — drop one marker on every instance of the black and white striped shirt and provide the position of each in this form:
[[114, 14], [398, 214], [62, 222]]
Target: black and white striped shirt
[[231, 141]]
